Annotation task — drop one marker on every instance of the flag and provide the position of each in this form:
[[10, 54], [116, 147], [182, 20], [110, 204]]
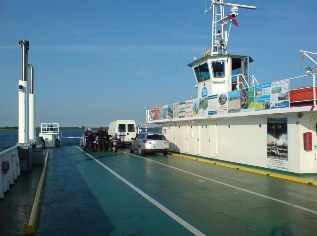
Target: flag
[[233, 18]]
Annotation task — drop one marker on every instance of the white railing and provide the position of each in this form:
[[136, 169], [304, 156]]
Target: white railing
[[301, 84], [254, 81], [291, 92], [242, 83], [9, 169], [50, 128]]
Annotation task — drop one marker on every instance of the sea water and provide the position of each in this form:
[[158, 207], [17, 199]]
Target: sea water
[[9, 138]]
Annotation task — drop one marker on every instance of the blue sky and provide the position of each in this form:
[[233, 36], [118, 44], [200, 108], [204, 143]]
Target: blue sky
[[102, 60]]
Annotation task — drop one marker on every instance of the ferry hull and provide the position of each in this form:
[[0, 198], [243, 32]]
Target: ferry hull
[[267, 140]]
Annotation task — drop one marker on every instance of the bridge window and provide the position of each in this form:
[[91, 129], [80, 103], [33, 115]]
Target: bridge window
[[218, 68], [202, 72]]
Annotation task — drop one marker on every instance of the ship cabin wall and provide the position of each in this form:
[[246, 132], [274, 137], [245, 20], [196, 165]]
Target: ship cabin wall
[[244, 140], [212, 82], [220, 74]]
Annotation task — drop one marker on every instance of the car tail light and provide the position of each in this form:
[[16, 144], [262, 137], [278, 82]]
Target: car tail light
[[146, 141]]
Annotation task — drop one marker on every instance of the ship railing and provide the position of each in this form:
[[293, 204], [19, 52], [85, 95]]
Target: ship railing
[[243, 83], [50, 128], [303, 90], [9, 169], [254, 81], [291, 92]]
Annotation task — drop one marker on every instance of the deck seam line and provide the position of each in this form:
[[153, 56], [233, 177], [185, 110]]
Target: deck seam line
[[171, 214], [34, 215], [231, 186], [260, 172]]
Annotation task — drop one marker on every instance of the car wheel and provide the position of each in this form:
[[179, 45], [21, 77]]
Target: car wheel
[[141, 152], [165, 153], [131, 149]]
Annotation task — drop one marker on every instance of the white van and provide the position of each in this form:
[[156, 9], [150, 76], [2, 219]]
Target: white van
[[123, 129]]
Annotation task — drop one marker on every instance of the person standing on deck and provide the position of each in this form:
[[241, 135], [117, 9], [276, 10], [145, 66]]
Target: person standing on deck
[[86, 134], [90, 141], [101, 140], [106, 140]]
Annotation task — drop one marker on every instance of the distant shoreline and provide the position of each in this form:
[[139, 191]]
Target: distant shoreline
[[16, 128]]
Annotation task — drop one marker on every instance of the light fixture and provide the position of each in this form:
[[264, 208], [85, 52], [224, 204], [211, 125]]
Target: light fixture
[[300, 115], [309, 70]]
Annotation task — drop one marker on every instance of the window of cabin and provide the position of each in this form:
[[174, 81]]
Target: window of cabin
[[202, 72], [218, 68]]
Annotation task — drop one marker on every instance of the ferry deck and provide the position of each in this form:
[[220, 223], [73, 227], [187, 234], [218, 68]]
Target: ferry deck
[[126, 194]]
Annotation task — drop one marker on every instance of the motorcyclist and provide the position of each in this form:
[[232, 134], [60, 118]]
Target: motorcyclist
[[101, 140], [107, 141], [90, 141]]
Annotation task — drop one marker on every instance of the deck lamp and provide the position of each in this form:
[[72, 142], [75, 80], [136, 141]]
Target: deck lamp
[[309, 70]]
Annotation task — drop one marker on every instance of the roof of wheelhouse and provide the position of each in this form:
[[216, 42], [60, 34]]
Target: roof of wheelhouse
[[219, 56]]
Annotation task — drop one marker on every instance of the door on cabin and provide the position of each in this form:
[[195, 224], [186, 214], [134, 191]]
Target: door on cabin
[[314, 141]]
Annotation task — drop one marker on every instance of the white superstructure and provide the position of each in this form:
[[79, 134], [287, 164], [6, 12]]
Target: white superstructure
[[234, 119], [51, 135]]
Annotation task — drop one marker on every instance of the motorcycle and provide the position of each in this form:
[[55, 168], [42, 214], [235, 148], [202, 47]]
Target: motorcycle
[[114, 144]]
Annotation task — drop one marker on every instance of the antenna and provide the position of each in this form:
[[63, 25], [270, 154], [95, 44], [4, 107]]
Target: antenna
[[220, 27], [306, 53]]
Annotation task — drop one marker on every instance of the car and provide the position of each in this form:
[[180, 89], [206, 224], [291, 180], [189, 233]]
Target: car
[[146, 142]]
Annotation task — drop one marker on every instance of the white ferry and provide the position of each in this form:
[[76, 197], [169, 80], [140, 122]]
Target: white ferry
[[235, 119]]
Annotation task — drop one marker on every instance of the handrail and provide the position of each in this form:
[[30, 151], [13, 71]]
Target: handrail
[[311, 84], [289, 86], [245, 83], [253, 79], [9, 156], [50, 128], [243, 80], [8, 149]]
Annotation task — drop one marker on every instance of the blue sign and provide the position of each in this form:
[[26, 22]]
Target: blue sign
[[204, 92]]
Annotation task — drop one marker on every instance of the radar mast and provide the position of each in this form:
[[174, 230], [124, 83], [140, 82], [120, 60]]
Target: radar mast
[[221, 24]]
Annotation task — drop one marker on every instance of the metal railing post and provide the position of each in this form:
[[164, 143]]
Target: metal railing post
[[314, 90], [24, 97]]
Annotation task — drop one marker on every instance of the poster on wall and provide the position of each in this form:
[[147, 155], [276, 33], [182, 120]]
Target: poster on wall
[[181, 109], [203, 106], [262, 95], [195, 108], [212, 104], [155, 113], [189, 108], [280, 94], [170, 111], [244, 100], [160, 117], [234, 103], [251, 98], [164, 115], [222, 103], [277, 144], [176, 108]]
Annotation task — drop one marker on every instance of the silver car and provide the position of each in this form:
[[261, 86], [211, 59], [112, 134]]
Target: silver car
[[149, 143]]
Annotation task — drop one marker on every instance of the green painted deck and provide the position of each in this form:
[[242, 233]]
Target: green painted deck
[[125, 194], [15, 208]]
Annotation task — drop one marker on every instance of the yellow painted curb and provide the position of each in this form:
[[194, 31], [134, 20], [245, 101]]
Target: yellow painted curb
[[32, 223], [260, 172]]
